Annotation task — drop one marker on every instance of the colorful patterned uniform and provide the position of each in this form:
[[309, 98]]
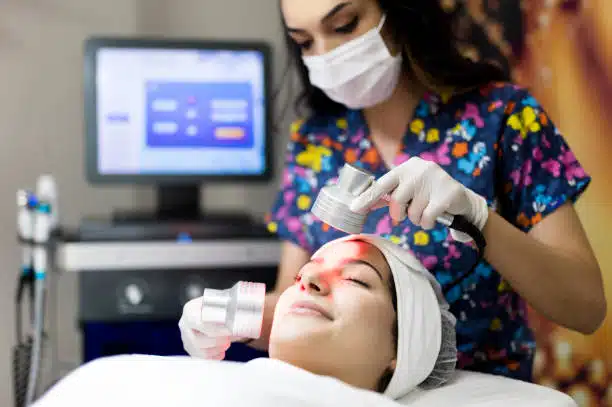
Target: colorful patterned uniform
[[498, 142]]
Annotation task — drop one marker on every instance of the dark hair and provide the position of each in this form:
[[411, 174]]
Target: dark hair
[[429, 47]]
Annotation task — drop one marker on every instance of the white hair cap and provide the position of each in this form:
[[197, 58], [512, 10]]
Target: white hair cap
[[426, 343]]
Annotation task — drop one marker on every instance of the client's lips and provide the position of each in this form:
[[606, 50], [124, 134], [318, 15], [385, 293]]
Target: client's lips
[[310, 307]]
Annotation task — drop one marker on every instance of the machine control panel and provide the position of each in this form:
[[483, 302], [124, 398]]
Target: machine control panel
[[128, 294], [155, 294]]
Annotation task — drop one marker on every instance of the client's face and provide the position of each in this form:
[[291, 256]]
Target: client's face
[[338, 317]]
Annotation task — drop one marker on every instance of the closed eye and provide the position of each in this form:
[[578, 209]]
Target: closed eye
[[348, 28], [345, 29], [359, 282], [305, 45]]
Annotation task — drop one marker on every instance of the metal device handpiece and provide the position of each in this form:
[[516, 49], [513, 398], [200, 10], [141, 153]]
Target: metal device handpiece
[[332, 205], [240, 308]]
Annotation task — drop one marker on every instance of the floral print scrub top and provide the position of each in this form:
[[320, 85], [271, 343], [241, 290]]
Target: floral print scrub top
[[497, 141]]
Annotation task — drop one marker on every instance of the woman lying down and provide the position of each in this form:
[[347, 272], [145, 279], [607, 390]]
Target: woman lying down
[[382, 328]]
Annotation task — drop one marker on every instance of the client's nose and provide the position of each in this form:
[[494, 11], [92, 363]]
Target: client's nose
[[316, 283]]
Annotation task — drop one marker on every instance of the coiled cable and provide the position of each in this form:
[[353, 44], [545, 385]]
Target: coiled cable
[[461, 224]]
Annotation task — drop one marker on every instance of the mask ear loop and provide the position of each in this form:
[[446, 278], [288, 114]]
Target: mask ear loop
[[381, 24]]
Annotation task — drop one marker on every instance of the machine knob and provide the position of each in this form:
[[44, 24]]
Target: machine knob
[[194, 291], [133, 294]]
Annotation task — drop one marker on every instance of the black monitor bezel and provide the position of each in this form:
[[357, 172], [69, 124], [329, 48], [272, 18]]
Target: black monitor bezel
[[93, 44]]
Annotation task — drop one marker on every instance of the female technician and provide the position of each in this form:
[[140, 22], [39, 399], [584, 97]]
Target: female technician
[[388, 91]]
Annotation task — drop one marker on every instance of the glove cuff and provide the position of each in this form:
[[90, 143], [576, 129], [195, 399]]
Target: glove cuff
[[480, 209], [479, 214]]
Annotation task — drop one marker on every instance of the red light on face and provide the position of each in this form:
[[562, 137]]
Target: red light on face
[[336, 256], [330, 263]]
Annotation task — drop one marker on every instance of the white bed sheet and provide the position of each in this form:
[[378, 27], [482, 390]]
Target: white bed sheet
[[151, 381], [484, 390]]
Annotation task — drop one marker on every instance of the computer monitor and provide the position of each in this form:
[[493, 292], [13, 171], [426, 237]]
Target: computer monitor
[[176, 114]]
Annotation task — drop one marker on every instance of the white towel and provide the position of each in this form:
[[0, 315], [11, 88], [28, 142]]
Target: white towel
[[155, 381]]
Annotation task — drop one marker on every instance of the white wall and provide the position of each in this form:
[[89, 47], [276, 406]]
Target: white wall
[[41, 124]]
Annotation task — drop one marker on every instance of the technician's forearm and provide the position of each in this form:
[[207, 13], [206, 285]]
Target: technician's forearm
[[555, 284], [263, 341]]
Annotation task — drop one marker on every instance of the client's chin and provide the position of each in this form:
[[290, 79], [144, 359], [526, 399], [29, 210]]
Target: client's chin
[[302, 323], [297, 334], [301, 326]]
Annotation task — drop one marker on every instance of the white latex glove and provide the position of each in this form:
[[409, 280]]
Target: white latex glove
[[202, 340], [423, 191]]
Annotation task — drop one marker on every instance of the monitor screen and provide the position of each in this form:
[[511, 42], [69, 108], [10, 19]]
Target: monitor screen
[[172, 111]]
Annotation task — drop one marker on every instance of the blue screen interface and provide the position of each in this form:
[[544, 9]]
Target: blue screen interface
[[174, 112]]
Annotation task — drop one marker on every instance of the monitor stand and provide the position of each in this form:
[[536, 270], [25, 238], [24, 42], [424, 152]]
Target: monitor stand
[[180, 203]]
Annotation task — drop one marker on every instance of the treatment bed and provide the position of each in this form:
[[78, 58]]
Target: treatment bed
[[151, 381]]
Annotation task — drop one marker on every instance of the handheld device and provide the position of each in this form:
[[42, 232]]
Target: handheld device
[[22, 351], [46, 191], [43, 223], [332, 207], [25, 229], [332, 203], [240, 308]]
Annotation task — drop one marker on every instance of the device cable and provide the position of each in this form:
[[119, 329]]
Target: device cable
[[461, 224], [41, 240], [22, 351]]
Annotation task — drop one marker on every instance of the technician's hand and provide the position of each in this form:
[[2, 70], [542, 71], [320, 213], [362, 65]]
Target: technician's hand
[[423, 191], [202, 340]]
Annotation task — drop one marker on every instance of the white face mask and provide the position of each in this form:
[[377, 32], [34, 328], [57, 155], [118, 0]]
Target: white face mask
[[360, 73]]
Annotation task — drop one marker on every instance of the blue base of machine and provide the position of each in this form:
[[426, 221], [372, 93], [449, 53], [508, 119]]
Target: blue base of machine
[[160, 338]]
